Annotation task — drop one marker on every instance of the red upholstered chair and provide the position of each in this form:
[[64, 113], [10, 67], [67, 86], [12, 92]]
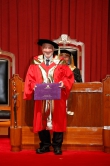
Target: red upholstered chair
[[7, 69]]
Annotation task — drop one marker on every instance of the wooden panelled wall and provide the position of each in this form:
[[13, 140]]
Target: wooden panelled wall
[[87, 129]]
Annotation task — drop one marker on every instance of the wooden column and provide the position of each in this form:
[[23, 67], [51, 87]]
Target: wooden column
[[16, 105], [106, 112]]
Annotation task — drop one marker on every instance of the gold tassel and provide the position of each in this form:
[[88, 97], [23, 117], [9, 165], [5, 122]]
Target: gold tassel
[[72, 66], [72, 61], [59, 53]]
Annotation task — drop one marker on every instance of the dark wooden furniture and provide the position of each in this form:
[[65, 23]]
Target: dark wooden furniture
[[7, 69]]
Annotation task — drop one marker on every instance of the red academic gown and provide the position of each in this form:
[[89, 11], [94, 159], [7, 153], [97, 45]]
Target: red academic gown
[[34, 75]]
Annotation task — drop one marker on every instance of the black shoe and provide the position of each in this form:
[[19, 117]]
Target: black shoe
[[42, 150], [57, 151]]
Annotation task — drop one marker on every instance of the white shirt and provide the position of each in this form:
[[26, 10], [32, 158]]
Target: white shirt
[[50, 59]]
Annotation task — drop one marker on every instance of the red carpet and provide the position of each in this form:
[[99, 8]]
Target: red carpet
[[68, 158]]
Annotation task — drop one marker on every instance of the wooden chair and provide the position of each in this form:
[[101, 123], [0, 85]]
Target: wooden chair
[[77, 48], [7, 69]]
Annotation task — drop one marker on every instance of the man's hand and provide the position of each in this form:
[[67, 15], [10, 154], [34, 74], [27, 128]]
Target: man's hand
[[61, 84], [34, 87]]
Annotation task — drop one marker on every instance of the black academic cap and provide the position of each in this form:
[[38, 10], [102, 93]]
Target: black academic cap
[[43, 41], [65, 51]]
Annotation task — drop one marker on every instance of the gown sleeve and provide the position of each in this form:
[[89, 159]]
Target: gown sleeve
[[65, 74], [29, 83], [68, 81]]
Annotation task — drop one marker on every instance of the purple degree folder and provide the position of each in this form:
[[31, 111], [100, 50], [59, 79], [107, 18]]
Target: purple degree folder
[[47, 91]]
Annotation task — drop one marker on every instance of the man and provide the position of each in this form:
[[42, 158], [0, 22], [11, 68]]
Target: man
[[40, 72], [68, 57]]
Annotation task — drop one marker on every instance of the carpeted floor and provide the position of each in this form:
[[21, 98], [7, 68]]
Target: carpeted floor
[[68, 158]]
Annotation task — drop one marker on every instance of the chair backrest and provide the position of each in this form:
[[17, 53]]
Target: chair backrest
[[7, 69], [77, 49], [3, 81]]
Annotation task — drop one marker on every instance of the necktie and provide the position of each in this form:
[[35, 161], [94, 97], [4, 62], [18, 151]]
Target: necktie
[[47, 62]]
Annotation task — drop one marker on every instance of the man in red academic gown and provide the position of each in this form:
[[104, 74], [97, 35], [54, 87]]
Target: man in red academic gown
[[56, 71]]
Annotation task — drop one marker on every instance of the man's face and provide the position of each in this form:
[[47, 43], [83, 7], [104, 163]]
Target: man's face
[[47, 50]]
